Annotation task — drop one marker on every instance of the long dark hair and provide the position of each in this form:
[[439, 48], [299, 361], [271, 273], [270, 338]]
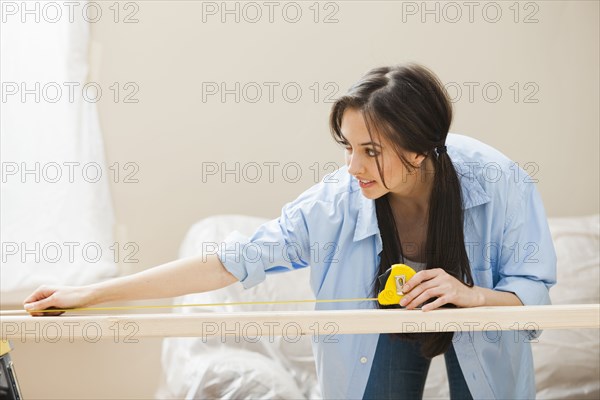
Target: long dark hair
[[409, 106]]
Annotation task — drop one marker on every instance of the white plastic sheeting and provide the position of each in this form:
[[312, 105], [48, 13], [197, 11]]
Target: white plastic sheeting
[[240, 368], [567, 362], [56, 215]]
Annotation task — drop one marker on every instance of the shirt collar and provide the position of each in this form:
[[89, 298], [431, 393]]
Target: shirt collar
[[472, 192], [366, 222]]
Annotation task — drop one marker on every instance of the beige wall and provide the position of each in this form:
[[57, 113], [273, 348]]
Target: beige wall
[[171, 131]]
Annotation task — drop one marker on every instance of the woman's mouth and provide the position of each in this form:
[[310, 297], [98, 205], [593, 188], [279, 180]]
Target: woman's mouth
[[365, 184]]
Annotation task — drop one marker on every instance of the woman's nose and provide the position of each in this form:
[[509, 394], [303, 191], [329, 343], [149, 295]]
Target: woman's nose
[[355, 166]]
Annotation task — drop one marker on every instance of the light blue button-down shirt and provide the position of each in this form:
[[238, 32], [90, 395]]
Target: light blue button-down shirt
[[333, 228]]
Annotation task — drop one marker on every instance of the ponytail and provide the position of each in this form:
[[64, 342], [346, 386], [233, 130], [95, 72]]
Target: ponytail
[[444, 248]]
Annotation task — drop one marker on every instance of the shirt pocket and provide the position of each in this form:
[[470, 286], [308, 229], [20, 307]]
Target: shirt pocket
[[483, 277]]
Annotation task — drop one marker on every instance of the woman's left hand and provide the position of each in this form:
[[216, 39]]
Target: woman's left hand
[[438, 283]]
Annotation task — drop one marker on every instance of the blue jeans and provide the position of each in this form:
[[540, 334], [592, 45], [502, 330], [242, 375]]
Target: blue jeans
[[399, 371]]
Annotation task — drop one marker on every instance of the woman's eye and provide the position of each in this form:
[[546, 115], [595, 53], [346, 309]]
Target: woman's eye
[[372, 153]]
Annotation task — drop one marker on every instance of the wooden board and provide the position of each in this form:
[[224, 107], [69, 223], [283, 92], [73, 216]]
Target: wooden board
[[94, 327]]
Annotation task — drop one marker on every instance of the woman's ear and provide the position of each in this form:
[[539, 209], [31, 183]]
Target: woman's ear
[[417, 159]]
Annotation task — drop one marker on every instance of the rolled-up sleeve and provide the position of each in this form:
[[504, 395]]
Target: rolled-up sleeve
[[528, 259], [276, 246]]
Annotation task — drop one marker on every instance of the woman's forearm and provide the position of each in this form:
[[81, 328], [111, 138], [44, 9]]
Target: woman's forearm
[[490, 297], [189, 275]]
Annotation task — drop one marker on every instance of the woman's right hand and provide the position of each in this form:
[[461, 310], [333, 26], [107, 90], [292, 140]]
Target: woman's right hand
[[59, 297]]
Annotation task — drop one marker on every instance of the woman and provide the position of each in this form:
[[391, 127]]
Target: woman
[[458, 211]]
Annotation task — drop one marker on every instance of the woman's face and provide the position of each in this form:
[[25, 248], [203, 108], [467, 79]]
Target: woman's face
[[361, 155]]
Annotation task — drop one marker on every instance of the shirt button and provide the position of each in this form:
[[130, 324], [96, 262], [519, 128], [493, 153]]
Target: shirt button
[[363, 360]]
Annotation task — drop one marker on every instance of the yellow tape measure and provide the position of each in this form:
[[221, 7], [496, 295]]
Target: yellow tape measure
[[392, 292], [240, 303]]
